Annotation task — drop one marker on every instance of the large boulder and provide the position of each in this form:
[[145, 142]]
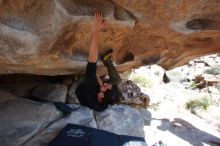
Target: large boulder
[[121, 119], [81, 116], [21, 119], [51, 37], [112, 120]]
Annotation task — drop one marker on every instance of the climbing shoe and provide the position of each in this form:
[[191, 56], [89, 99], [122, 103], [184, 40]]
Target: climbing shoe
[[107, 55]]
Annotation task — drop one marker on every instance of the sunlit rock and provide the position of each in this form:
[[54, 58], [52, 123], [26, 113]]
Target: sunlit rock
[[51, 37]]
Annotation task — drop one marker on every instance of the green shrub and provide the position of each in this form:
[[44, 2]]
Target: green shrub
[[193, 85], [201, 103], [214, 70], [154, 106], [218, 86], [141, 80]]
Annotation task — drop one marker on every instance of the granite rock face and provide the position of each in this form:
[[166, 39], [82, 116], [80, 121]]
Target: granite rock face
[[51, 92], [5, 96], [132, 95], [41, 123], [81, 116], [21, 119], [121, 119], [50, 37]]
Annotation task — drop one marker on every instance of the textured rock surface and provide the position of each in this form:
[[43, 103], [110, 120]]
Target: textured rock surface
[[5, 96], [51, 37], [51, 92], [82, 116], [121, 119], [132, 95], [21, 119], [38, 126], [71, 96]]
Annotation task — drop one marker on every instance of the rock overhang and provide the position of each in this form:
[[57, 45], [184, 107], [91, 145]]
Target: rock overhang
[[51, 37]]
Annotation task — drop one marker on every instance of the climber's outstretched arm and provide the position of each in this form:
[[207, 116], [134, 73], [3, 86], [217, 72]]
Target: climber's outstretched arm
[[93, 48]]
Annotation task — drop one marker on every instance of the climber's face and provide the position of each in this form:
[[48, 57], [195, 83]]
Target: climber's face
[[102, 90]]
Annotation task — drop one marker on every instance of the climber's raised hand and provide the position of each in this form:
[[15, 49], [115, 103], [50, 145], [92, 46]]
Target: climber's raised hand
[[93, 47], [99, 22]]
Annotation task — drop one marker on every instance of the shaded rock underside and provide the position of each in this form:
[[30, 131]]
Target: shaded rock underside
[[51, 37]]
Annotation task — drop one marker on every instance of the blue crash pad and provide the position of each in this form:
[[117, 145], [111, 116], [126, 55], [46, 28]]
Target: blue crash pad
[[76, 135]]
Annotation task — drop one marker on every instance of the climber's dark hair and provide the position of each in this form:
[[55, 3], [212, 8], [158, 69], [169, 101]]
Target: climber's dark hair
[[112, 96]]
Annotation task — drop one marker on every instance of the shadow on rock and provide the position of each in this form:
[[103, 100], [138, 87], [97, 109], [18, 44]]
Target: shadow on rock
[[188, 132]]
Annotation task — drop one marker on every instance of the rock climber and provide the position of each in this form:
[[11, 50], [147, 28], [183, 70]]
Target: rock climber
[[93, 92]]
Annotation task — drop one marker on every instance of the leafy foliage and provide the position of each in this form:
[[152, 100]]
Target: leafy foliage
[[218, 86], [193, 85], [201, 103], [141, 80]]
